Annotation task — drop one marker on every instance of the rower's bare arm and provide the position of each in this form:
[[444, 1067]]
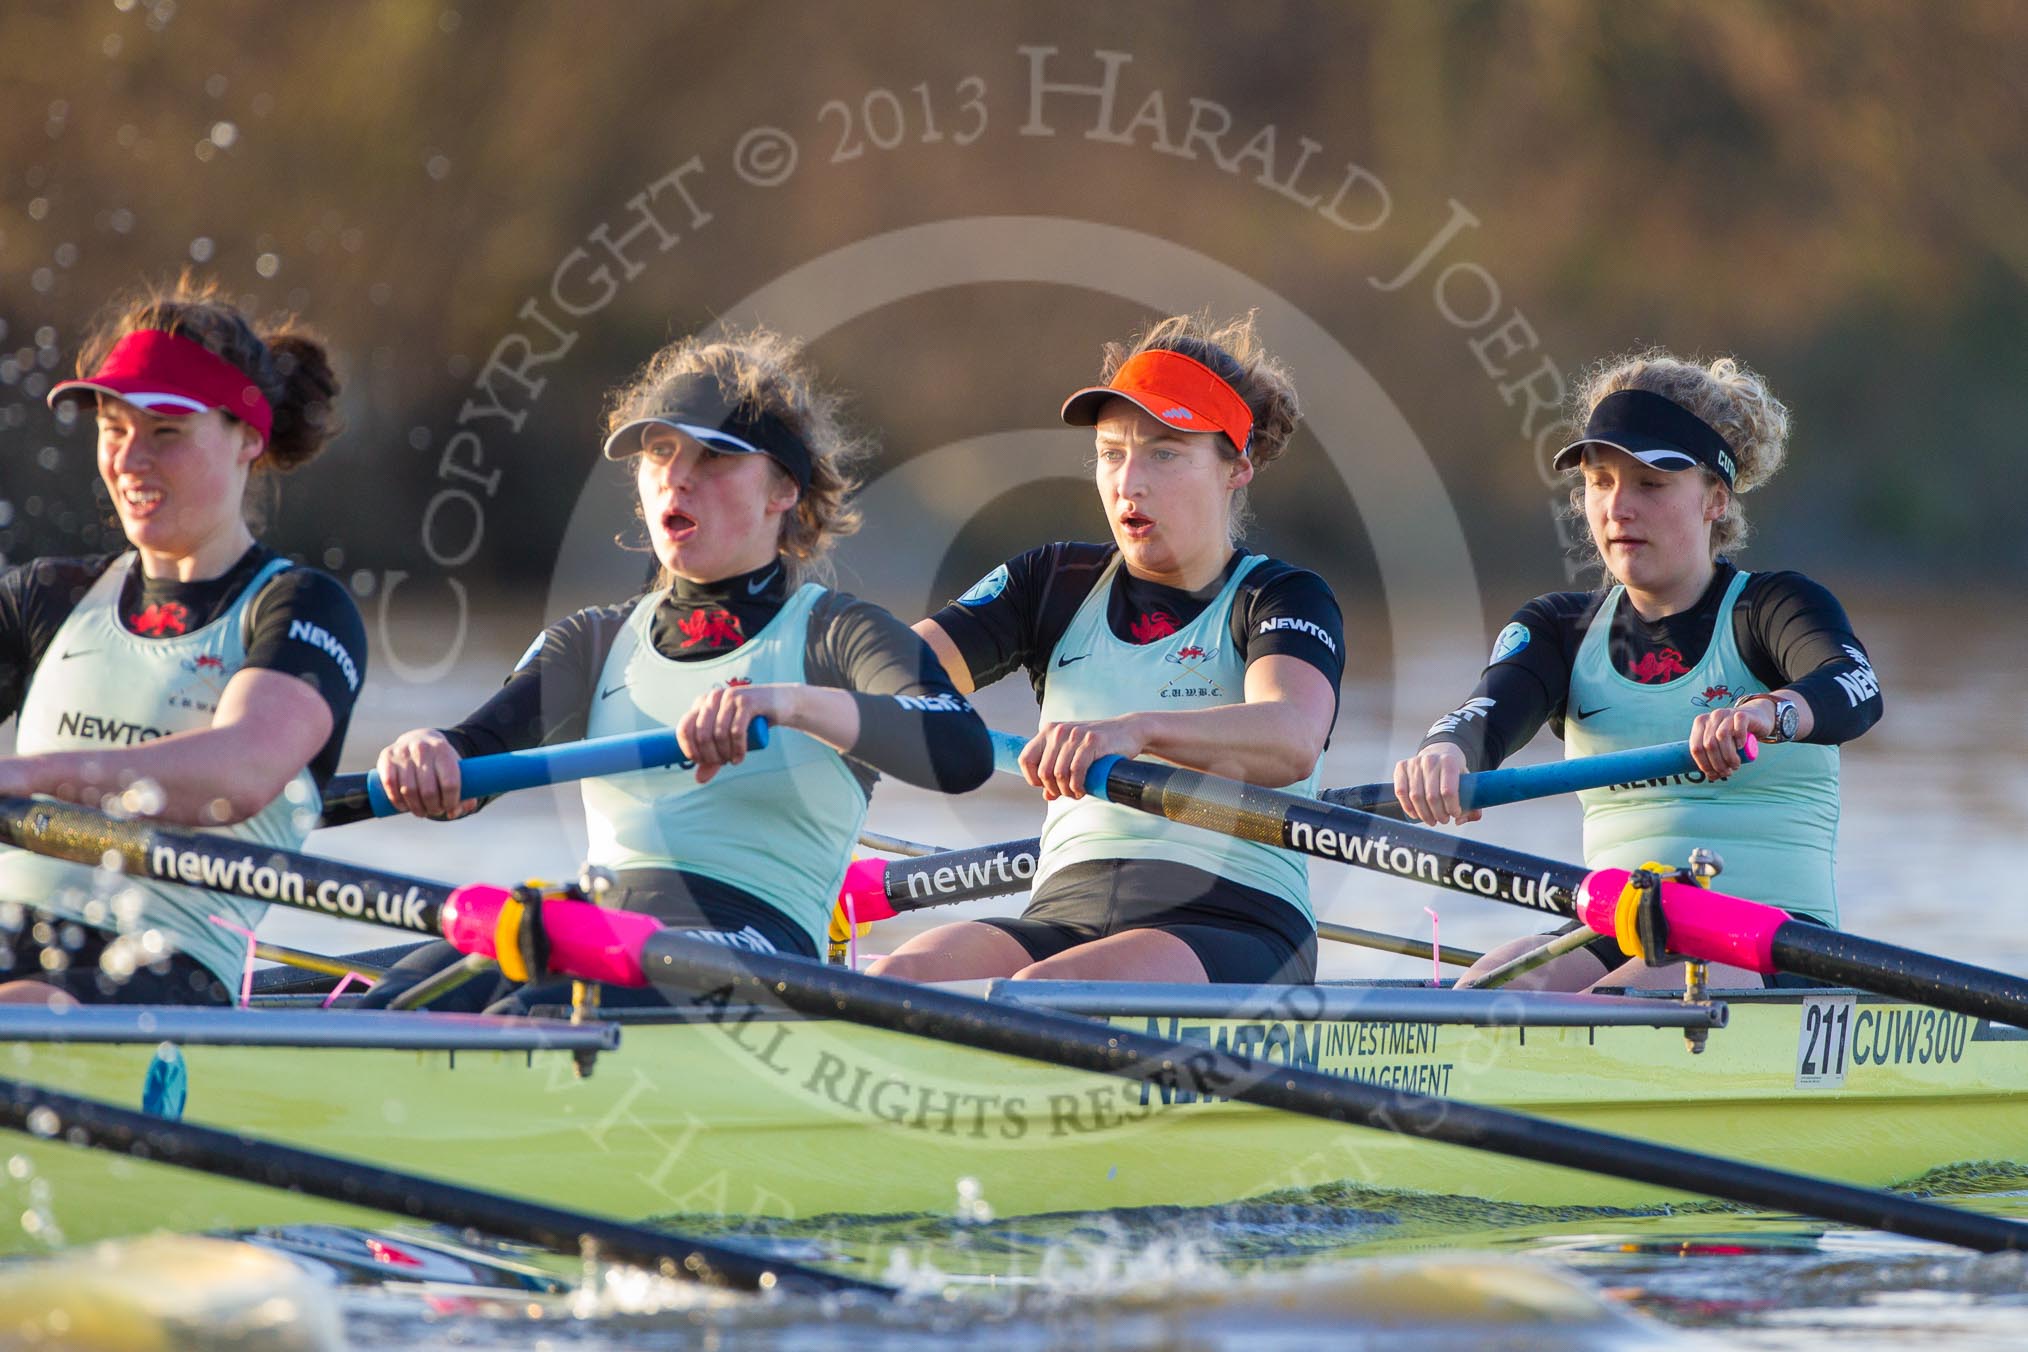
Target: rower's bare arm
[[268, 726], [947, 653], [1274, 739]]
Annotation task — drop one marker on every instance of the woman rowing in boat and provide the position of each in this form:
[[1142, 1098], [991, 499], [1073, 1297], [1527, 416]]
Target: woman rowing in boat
[[196, 676], [1170, 642], [1682, 643], [740, 463]]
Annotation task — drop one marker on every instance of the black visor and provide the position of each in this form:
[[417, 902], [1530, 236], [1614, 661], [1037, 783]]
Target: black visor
[[697, 408], [1656, 431]]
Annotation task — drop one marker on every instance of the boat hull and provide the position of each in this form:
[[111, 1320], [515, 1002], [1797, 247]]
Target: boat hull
[[797, 1119]]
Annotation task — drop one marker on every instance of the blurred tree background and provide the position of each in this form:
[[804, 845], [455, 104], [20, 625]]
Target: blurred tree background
[[1835, 191]]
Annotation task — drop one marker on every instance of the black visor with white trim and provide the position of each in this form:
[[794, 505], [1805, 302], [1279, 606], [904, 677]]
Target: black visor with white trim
[[698, 408], [1657, 431]]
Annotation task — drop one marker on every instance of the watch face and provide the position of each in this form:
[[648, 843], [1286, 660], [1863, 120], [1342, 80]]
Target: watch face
[[1786, 719]]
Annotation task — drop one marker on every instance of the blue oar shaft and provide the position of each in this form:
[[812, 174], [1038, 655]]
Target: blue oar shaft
[[485, 776], [1488, 788]]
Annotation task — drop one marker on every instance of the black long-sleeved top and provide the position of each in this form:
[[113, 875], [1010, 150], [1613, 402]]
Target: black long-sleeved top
[[1791, 632], [913, 723]]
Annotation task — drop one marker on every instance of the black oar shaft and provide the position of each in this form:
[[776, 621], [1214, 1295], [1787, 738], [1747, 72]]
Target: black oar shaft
[[1323, 831], [105, 1126], [223, 864], [708, 974], [1409, 850], [1846, 959]]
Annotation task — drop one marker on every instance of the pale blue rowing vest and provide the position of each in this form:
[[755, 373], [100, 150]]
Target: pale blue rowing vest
[[1095, 674], [99, 686], [1775, 823], [780, 825]]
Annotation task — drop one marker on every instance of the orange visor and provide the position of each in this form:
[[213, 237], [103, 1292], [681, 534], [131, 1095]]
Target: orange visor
[[1174, 389]]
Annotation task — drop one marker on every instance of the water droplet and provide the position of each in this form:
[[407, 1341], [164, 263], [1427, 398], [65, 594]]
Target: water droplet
[[111, 44], [44, 1122], [38, 207], [122, 221], [334, 558], [6, 513], [449, 21], [20, 1167], [204, 150], [419, 438], [223, 134], [127, 135], [48, 457], [215, 86], [65, 255], [438, 167], [200, 249], [143, 798], [362, 583], [267, 265]]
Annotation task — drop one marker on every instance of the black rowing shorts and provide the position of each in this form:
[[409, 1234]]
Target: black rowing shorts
[[1240, 934]]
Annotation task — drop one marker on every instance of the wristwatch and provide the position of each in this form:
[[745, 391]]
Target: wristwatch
[[1785, 716]]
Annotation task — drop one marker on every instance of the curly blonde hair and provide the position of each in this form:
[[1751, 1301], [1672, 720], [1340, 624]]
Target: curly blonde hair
[[771, 373], [1725, 393], [1234, 350]]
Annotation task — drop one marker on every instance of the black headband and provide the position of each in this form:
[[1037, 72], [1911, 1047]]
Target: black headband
[[697, 407], [1656, 430]]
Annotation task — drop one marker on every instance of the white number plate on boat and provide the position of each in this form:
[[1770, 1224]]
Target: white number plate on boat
[[1824, 1042]]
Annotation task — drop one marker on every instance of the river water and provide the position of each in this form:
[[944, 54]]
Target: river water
[[1934, 810]]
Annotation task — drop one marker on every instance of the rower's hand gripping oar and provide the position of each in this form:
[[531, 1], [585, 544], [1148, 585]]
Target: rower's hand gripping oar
[[1698, 923], [878, 889], [1496, 788], [355, 797]]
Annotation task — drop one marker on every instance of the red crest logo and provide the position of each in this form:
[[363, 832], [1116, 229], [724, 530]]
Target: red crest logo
[[713, 628], [165, 618], [1714, 697], [1151, 626], [1665, 665]]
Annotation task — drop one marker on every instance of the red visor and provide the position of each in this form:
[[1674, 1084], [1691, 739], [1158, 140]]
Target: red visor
[[165, 374], [1175, 389]]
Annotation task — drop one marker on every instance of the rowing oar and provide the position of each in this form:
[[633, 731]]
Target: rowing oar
[[1661, 916], [356, 797], [711, 978], [876, 889], [1496, 788], [105, 1126], [880, 889]]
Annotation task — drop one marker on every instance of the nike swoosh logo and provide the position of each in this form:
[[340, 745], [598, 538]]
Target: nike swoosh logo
[[1583, 714], [1066, 661], [761, 583], [76, 652], [608, 694]]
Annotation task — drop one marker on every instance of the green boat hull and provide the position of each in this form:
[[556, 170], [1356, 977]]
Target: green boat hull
[[792, 1119]]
